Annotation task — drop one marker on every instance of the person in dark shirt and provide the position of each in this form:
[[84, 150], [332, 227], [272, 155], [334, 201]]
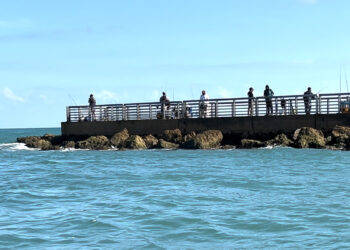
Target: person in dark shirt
[[250, 101], [283, 106], [308, 96], [268, 94], [164, 104], [92, 104]]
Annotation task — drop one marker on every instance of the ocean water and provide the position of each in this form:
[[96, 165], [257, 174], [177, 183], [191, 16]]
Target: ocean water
[[175, 199]]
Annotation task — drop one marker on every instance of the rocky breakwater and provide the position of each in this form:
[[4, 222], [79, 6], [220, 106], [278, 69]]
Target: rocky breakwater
[[306, 137]]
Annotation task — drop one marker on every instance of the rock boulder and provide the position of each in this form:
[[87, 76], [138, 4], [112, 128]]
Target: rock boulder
[[151, 141], [135, 142], [206, 140], [119, 139], [167, 145], [280, 140], [174, 135], [94, 142], [307, 137]]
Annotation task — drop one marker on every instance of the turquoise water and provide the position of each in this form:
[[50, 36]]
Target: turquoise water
[[195, 199]]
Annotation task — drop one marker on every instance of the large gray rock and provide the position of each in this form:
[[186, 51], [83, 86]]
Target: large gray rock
[[248, 143], [206, 140], [307, 137], [119, 139], [167, 145], [174, 135], [340, 135], [94, 142], [151, 141], [280, 140], [135, 142]]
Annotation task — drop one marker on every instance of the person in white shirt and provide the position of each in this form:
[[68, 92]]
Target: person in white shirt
[[203, 105]]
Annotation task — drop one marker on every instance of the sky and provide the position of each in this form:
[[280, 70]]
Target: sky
[[53, 54]]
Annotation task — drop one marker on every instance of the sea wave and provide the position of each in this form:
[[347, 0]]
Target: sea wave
[[15, 146]]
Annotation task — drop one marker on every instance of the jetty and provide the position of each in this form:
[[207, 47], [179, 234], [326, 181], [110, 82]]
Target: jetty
[[229, 115]]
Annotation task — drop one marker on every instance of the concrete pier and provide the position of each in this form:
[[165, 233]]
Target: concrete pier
[[255, 126]]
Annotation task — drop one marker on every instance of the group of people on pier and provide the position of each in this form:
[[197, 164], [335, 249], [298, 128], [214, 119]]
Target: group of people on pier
[[204, 104], [268, 94]]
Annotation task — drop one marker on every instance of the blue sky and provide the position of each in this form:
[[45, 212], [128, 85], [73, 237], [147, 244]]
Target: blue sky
[[55, 53]]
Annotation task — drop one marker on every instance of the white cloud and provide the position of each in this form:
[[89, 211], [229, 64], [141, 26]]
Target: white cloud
[[309, 1], [43, 97], [224, 93], [8, 93], [105, 96]]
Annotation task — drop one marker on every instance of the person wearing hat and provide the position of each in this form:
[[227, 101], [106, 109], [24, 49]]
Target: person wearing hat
[[92, 104], [308, 96]]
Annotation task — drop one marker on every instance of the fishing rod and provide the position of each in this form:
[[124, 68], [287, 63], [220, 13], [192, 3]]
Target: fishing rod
[[340, 81], [346, 81], [72, 99]]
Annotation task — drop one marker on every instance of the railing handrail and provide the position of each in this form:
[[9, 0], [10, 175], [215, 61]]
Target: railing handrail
[[218, 107]]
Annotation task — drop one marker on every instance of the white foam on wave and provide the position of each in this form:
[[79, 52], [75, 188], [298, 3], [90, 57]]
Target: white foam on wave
[[15, 146]]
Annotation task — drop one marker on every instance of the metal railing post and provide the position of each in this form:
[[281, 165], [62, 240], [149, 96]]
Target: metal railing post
[[150, 111], [256, 107], [296, 105], [138, 112], [276, 106], [216, 108], [183, 113], [233, 108], [327, 106], [124, 112], [317, 104], [68, 114], [339, 103]]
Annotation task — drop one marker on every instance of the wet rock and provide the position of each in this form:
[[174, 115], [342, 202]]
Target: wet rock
[[28, 139], [43, 145], [188, 137], [167, 145], [94, 142], [36, 142], [174, 135], [280, 140], [248, 143], [54, 139], [206, 140], [68, 144], [151, 141], [340, 135], [135, 142], [307, 137], [119, 139], [228, 147]]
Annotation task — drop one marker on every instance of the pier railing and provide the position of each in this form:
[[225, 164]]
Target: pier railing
[[227, 107]]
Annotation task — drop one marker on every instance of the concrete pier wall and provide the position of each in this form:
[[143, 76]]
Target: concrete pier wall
[[230, 126]]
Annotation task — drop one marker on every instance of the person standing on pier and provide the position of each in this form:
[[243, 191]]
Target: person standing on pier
[[308, 96], [268, 94], [203, 104], [92, 104], [164, 104], [250, 101]]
